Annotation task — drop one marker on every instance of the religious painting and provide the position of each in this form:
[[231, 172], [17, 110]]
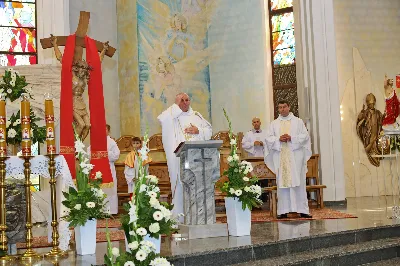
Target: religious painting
[[174, 57]]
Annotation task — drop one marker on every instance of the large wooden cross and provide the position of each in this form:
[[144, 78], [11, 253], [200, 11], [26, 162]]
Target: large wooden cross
[[80, 33]]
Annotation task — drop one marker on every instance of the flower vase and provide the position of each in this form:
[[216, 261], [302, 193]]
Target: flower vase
[[239, 220], [155, 241], [85, 238]]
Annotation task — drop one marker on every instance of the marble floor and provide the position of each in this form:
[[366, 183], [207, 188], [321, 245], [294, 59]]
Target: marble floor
[[371, 212]]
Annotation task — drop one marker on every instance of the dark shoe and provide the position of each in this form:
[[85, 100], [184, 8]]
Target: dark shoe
[[303, 215], [282, 216]]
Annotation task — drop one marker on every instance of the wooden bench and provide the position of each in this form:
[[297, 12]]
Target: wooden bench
[[274, 199]]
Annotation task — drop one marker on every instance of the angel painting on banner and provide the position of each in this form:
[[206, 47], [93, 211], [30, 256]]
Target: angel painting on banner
[[173, 57]]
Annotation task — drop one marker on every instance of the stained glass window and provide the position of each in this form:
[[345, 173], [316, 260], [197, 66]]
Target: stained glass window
[[283, 52], [282, 36], [279, 4], [18, 41]]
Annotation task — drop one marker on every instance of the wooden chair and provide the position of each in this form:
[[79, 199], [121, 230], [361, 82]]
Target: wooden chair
[[312, 175], [124, 144], [274, 199], [225, 150]]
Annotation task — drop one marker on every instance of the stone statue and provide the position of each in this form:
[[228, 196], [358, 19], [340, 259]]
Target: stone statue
[[80, 78], [391, 121], [369, 127]]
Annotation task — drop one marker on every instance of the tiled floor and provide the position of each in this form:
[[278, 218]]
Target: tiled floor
[[371, 212]]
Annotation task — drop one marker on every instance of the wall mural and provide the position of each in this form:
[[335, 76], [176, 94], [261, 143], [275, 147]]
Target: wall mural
[[174, 56]]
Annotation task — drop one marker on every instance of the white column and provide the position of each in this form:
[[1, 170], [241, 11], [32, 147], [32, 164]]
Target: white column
[[319, 80], [52, 18]]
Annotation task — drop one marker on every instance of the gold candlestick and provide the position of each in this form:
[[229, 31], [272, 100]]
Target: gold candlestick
[[3, 226], [29, 254], [55, 253]]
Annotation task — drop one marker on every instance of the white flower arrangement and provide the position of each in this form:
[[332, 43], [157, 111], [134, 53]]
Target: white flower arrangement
[[239, 184], [147, 216], [88, 201]]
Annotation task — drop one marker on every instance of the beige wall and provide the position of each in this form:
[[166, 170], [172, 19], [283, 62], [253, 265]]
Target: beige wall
[[103, 27], [367, 44], [128, 68]]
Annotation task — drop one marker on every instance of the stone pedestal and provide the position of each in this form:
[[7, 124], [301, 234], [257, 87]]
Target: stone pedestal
[[15, 215], [203, 230], [199, 170]]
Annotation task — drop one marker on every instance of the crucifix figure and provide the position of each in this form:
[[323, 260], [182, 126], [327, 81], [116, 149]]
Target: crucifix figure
[[76, 75], [80, 70]]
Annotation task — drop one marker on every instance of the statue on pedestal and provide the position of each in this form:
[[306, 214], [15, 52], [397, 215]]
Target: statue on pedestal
[[369, 127]]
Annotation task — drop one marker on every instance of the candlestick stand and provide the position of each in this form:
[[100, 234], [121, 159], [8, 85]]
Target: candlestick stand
[[55, 252], [3, 226], [29, 254]]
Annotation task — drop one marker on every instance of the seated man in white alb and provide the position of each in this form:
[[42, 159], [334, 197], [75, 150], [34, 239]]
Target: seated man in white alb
[[253, 140]]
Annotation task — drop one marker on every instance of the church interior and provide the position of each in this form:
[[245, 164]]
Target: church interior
[[127, 63]]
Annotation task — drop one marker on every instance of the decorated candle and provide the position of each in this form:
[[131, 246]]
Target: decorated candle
[[25, 125], [3, 127], [49, 114]]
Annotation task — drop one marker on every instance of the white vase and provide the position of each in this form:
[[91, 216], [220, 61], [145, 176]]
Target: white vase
[[85, 238], [239, 220], [156, 242]]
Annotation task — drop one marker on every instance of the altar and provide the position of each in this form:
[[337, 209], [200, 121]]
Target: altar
[[16, 215]]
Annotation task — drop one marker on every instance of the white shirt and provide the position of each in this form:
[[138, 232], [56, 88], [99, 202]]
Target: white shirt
[[248, 143]]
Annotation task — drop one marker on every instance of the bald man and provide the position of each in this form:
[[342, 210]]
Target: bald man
[[180, 123], [253, 140]]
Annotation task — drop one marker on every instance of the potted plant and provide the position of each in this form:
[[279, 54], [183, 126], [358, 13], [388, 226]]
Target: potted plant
[[146, 220], [86, 204], [12, 87], [242, 193]]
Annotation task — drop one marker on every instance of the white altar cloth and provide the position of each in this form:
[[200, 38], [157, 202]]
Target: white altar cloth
[[40, 166]]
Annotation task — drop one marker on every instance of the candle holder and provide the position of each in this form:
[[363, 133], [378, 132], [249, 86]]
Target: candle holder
[[29, 255], [55, 253], [3, 226]]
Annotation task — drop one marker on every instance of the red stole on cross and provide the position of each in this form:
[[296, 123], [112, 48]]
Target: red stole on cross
[[98, 136]]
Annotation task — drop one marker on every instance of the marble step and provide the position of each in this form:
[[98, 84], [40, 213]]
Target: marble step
[[270, 250], [395, 261], [349, 255]]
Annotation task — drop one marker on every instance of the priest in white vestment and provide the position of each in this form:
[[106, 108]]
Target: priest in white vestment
[[179, 124], [113, 155], [288, 148], [253, 140]]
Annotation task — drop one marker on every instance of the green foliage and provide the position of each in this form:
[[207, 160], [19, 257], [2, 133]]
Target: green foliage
[[14, 125], [13, 85], [395, 143], [240, 184], [86, 204], [146, 216], [88, 201]]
